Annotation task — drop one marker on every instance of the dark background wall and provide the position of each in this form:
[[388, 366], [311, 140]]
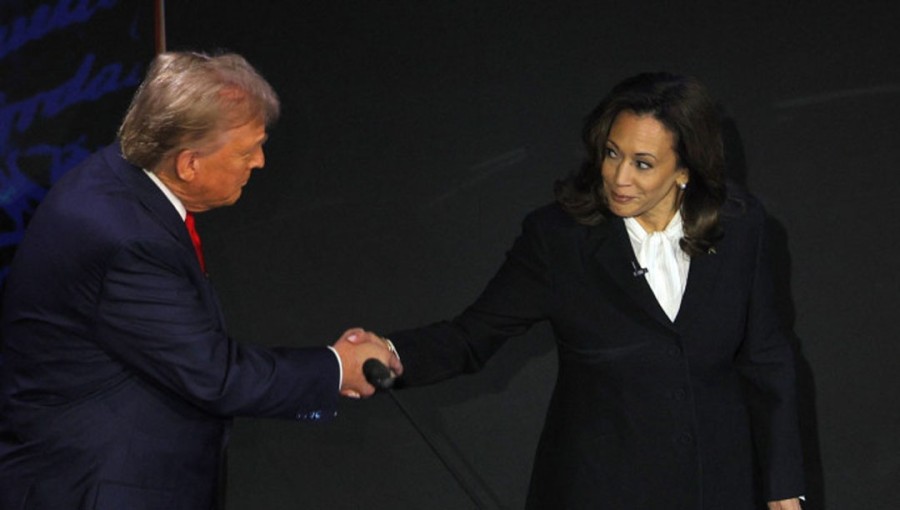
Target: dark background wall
[[416, 135]]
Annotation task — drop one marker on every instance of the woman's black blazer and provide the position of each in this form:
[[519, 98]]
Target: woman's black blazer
[[646, 413]]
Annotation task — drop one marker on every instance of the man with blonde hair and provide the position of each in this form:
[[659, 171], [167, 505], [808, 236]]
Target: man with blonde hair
[[119, 379]]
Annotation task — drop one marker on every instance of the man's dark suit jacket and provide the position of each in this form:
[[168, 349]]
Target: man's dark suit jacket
[[119, 379], [646, 414]]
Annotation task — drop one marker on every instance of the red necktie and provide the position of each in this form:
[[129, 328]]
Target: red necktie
[[195, 239]]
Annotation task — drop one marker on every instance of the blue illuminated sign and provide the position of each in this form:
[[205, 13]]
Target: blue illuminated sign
[[60, 62]]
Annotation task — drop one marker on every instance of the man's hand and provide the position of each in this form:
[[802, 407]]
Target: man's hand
[[393, 364], [785, 504], [355, 347]]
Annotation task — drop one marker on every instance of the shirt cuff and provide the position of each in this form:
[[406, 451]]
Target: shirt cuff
[[340, 367]]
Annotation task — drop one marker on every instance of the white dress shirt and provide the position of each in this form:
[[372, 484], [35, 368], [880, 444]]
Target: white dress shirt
[[666, 264]]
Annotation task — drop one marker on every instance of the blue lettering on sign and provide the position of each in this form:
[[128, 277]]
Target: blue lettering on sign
[[27, 168], [45, 20], [19, 192], [19, 195], [80, 88]]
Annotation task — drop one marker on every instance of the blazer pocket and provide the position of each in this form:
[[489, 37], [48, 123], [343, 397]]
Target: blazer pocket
[[117, 496], [584, 354]]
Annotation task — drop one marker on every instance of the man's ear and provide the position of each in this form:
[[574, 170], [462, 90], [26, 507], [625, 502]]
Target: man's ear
[[186, 162]]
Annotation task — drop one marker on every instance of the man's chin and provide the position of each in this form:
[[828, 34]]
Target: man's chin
[[232, 199]]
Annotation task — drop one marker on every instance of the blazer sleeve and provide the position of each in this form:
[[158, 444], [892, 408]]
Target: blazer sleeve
[[514, 299], [766, 361], [159, 322]]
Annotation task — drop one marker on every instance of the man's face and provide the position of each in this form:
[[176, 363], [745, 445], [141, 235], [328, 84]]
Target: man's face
[[222, 172]]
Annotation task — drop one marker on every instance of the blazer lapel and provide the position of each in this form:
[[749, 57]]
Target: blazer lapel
[[149, 195], [608, 243], [701, 282]]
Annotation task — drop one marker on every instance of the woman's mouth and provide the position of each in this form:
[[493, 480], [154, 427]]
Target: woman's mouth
[[621, 199]]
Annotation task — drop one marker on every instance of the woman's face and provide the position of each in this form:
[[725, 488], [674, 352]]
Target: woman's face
[[640, 171]]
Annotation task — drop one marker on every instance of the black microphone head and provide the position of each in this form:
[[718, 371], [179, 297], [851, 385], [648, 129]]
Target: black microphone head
[[377, 374]]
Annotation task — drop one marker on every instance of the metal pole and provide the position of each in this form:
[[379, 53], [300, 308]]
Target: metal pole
[[160, 18]]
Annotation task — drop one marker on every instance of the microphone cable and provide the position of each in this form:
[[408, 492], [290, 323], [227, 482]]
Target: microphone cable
[[379, 376]]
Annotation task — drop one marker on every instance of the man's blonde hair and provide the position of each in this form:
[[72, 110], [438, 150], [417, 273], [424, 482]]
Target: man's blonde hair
[[189, 99]]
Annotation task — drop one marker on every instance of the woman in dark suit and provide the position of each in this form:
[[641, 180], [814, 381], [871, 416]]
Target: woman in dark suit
[[675, 387]]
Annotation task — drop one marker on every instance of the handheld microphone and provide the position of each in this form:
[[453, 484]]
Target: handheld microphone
[[377, 374]]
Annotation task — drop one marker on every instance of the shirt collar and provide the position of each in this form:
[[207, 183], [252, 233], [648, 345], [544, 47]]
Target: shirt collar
[[674, 230], [182, 211]]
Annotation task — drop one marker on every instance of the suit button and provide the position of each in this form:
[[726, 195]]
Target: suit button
[[685, 439], [674, 351], [679, 394]]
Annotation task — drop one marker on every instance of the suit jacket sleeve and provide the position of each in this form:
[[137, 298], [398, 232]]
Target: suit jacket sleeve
[[766, 360], [158, 315]]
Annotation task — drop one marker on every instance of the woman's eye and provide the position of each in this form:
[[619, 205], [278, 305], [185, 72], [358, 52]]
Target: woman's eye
[[609, 152], [643, 165]]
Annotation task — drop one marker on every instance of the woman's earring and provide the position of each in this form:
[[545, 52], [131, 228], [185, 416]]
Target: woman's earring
[[682, 185]]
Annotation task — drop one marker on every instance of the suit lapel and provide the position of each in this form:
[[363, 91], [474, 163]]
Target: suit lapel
[[159, 207], [149, 195], [608, 243], [700, 285]]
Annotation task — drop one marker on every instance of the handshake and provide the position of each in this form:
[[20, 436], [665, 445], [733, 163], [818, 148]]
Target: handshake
[[366, 358]]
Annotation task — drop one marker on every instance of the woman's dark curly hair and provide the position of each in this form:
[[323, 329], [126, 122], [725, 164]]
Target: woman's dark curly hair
[[686, 109]]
